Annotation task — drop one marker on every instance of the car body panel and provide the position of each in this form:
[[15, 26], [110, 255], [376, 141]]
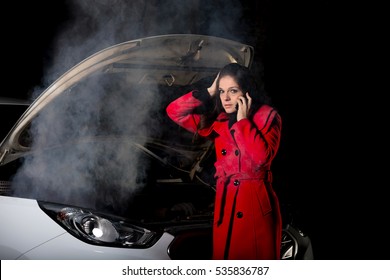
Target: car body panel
[[23, 220], [66, 247]]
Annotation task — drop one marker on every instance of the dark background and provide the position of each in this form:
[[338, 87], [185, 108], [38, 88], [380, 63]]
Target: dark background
[[312, 57]]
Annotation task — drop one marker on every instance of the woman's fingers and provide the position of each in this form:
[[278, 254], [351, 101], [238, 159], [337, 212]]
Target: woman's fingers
[[213, 88]]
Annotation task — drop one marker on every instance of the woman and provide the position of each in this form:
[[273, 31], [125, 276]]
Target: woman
[[246, 131]]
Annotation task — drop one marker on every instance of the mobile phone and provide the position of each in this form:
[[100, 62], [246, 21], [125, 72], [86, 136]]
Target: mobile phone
[[246, 100]]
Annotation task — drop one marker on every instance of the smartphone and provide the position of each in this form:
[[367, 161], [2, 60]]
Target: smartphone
[[246, 100]]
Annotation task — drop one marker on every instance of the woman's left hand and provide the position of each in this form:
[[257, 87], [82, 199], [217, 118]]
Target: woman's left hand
[[244, 104]]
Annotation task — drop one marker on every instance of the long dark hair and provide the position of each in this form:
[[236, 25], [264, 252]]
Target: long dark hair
[[247, 82]]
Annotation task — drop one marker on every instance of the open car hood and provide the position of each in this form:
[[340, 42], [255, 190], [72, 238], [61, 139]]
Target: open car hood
[[162, 61]]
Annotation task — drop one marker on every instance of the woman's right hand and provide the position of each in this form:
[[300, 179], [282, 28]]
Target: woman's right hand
[[213, 88]]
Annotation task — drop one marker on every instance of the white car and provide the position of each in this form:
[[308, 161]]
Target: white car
[[94, 169]]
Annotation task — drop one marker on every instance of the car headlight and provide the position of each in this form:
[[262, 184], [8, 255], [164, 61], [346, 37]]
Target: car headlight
[[100, 229]]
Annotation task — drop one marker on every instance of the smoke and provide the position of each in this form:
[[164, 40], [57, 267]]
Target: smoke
[[93, 25], [85, 144], [76, 160]]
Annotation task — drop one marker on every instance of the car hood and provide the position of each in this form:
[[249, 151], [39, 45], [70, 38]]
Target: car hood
[[169, 60]]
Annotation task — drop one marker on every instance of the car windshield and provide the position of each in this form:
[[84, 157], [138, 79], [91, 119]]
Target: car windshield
[[107, 144]]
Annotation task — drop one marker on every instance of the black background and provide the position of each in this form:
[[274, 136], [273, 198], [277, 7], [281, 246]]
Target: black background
[[314, 60]]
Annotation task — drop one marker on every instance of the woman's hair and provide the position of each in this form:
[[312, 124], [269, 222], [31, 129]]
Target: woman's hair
[[247, 82]]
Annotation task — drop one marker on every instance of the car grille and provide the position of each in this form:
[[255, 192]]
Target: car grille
[[5, 187]]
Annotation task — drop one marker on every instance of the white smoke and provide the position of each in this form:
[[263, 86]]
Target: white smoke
[[85, 144], [96, 24]]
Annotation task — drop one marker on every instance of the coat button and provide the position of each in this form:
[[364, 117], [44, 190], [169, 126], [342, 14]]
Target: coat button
[[236, 152], [240, 215], [236, 183], [223, 152]]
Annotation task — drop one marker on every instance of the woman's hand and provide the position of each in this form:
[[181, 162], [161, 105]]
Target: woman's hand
[[244, 104], [213, 88]]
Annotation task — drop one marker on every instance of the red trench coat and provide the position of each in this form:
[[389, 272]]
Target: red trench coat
[[247, 220]]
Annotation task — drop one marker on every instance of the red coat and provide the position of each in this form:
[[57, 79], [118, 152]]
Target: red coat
[[247, 220]]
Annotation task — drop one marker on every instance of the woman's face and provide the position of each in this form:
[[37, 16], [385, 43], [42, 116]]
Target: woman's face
[[229, 92]]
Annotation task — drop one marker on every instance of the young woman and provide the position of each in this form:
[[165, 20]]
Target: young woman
[[246, 130]]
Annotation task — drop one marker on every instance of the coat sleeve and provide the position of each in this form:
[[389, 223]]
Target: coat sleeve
[[260, 138], [181, 111]]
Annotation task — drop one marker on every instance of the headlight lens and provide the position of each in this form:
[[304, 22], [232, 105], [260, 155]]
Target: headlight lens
[[100, 229]]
